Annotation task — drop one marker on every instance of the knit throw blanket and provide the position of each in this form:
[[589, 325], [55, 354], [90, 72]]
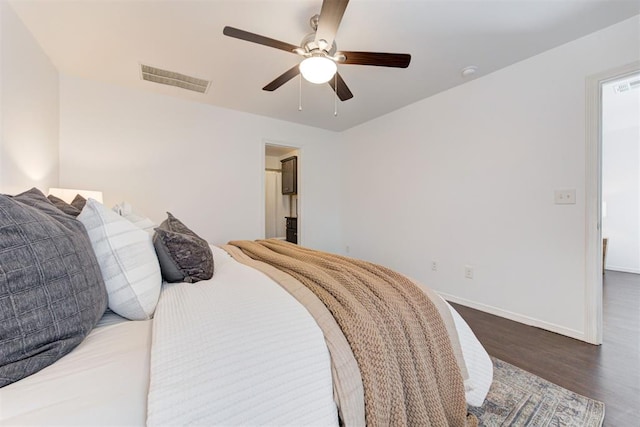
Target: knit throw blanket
[[408, 368]]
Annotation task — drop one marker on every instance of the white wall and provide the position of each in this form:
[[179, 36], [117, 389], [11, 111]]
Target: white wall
[[467, 177], [28, 109], [272, 162], [202, 163], [621, 177]]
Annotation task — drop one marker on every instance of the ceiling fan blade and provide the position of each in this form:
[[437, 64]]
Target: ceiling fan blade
[[330, 17], [282, 79], [343, 91], [255, 38], [380, 59]]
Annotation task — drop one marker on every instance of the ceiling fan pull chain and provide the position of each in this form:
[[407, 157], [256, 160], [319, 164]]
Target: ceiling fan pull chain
[[300, 92], [335, 97]]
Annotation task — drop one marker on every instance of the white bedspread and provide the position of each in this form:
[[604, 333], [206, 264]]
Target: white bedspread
[[237, 350]]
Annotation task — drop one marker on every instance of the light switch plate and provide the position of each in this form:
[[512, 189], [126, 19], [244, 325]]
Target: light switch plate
[[565, 197]]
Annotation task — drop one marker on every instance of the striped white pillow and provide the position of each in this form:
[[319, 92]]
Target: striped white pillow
[[127, 261], [124, 209]]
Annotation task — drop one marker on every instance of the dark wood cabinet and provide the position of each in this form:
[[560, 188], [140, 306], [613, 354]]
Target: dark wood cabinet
[[292, 229], [290, 175]]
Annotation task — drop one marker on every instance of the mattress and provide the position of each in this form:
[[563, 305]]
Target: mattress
[[105, 380]]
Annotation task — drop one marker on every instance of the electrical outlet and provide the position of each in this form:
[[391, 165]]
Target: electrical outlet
[[434, 265], [468, 272], [347, 249]]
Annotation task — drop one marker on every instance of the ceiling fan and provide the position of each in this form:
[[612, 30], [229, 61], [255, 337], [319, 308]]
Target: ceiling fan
[[320, 52]]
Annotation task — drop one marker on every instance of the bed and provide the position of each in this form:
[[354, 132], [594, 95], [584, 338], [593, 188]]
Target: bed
[[235, 349]]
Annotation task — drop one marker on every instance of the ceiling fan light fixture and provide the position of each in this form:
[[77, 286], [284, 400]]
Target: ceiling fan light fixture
[[318, 69]]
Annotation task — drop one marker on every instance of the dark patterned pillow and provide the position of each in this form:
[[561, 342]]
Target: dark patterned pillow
[[183, 255], [78, 202], [64, 206], [51, 289]]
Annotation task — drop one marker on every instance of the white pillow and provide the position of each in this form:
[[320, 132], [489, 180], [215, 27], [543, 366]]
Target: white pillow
[[125, 210], [127, 260]]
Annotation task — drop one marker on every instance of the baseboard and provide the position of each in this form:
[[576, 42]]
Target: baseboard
[[572, 333], [622, 269]]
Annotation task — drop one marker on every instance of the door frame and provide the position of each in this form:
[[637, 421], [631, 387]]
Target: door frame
[[593, 198], [300, 200]]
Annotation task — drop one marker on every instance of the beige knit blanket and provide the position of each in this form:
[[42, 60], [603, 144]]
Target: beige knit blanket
[[407, 364]]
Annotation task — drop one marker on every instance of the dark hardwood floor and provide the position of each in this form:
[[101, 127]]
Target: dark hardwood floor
[[609, 373]]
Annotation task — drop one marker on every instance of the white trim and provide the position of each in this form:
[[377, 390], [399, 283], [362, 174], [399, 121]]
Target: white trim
[[593, 198], [593, 233], [515, 317], [623, 269], [263, 197]]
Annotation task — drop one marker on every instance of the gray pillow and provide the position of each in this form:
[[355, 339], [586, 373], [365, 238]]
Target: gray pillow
[[51, 289], [183, 255], [78, 202], [64, 206]]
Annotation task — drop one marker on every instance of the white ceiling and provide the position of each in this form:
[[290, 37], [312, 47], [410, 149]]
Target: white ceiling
[[277, 150], [107, 40]]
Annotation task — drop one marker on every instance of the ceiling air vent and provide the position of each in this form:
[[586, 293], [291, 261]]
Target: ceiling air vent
[[171, 78]]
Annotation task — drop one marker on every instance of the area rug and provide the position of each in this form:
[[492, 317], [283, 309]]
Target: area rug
[[519, 398]]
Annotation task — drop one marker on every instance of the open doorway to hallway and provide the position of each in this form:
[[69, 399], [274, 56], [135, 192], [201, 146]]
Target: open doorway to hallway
[[596, 212], [281, 193], [621, 174]]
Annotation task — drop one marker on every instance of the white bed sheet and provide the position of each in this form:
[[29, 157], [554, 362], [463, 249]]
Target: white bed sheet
[[105, 380], [479, 365], [102, 382]]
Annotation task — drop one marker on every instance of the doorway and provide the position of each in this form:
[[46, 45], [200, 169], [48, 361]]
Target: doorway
[[281, 210], [594, 212], [621, 174]]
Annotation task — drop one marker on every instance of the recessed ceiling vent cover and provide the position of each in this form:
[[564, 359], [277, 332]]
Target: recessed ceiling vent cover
[[172, 78]]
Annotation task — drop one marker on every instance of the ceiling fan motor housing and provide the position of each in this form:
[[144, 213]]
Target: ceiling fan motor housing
[[308, 43]]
